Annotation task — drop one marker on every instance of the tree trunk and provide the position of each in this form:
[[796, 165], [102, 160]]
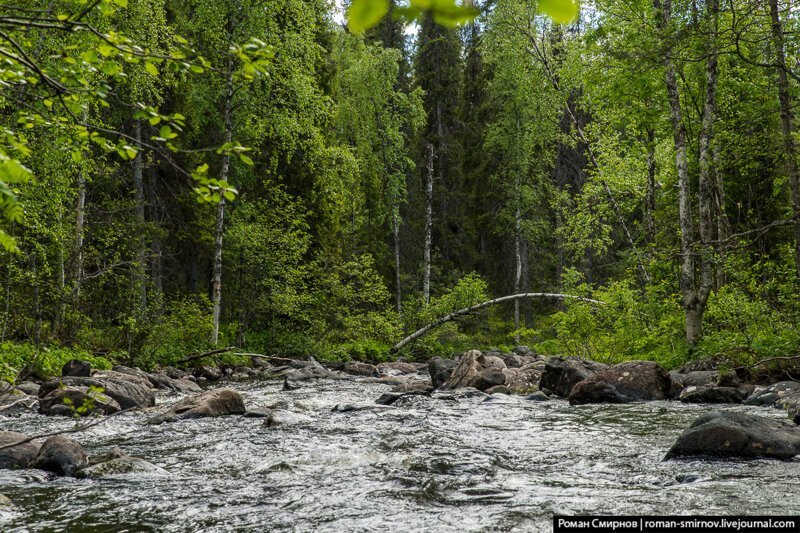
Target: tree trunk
[[723, 225], [650, 199], [468, 310], [426, 279], [790, 155], [80, 217], [140, 274], [216, 278], [517, 256], [398, 295]]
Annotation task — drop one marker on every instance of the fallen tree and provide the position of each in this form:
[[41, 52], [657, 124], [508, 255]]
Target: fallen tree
[[468, 310]]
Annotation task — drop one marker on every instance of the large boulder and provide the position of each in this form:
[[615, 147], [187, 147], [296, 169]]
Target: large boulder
[[623, 383], [160, 381], [440, 370], [77, 368], [398, 368], [14, 401], [712, 394], [20, 455], [76, 400], [355, 368], [214, 402], [724, 434], [116, 462], [525, 379], [774, 394], [127, 390], [61, 456], [476, 370], [560, 374]]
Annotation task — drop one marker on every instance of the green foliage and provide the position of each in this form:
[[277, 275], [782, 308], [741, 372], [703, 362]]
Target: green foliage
[[184, 329], [16, 358]]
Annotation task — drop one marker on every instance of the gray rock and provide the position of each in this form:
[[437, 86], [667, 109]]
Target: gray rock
[[538, 396], [525, 379], [772, 395], [14, 401], [28, 387], [623, 383], [355, 368], [128, 391], [724, 434], [76, 400], [124, 465], [476, 370], [18, 456], [160, 381], [211, 403], [560, 375], [77, 368], [398, 367], [286, 418], [209, 373], [60, 455], [440, 370], [712, 394]]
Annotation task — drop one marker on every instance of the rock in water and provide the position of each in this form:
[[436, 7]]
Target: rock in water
[[61, 456], [77, 368], [476, 370], [76, 400], [622, 383], [711, 394], [355, 368], [723, 434], [127, 390], [18, 456], [560, 375], [116, 463], [440, 370], [281, 417], [215, 402]]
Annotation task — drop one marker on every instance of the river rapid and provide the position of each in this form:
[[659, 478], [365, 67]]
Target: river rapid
[[449, 462]]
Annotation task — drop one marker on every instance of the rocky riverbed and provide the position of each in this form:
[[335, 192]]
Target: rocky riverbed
[[360, 447]]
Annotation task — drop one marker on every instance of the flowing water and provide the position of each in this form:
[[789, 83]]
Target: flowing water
[[452, 463]]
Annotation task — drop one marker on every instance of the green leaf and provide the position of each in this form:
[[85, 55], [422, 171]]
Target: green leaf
[[364, 14], [121, 3], [151, 68], [561, 11], [246, 160], [77, 156]]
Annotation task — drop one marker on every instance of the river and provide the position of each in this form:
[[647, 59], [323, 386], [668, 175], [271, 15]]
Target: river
[[452, 463]]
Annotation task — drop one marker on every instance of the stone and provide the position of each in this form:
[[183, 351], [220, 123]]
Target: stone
[[18, 456], [525, 379], [398, 367], [708, 363], [160, 381], [123, 465], [280, 417], [210, 373], [712, 394], [128, 391], [28, 387], [14, 401], [476, 370], [440, 370], [700, 378], [626, 382], [60, 455], [772, 395], [76, 400], [210, 403], [538, 396], [355, 368], [725, 434], [77, 368], [560, 374], [499, 389]]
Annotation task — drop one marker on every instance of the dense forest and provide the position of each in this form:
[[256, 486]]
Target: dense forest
[[180, 175]]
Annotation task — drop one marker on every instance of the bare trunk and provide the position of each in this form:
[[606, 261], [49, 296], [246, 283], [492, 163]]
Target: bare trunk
[[517, 257], [216, 278], [80, 217], [790, 155], [468, 310], [398, 295], [37, 308], [650, 199], [426, 279], [141, 254], [723, 225]]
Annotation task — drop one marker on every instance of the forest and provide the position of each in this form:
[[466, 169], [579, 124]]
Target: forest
[[178, 176]]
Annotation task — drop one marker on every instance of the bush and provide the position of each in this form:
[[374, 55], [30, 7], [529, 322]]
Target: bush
[[185, 328], [23, 358]]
